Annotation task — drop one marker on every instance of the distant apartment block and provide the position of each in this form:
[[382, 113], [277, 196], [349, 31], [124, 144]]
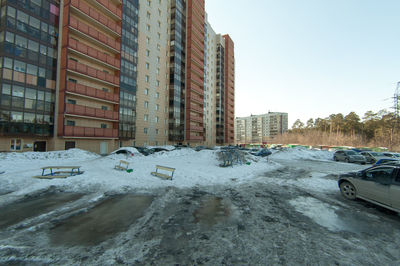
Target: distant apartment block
[[259, 129], [99, 74]]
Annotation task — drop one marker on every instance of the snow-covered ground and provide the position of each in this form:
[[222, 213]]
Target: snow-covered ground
[[286, 209]]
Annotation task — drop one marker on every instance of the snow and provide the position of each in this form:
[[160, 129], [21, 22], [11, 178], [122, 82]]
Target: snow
[[303, 154], [193, 168]]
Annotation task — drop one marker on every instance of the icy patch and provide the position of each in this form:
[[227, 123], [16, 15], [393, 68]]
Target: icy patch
[[322, 213], [318, 183], [303, 154]]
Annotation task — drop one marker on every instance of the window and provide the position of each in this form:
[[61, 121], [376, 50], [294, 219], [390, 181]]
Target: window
[[146, 91], [72, 80], [147, 65], [146, 117], [148, 27], [104, 108], [156, 131], [158, 70], [70, 123], [146, 104], [157, 107], [157, 119], [70, 101], [148, 15], [147, 40], [104, 89], [148, 2], [159, 34], [147, 78], [157, 95], [380, 175], [158, 47], [147, 53], [16, 145], [158, 59], [103, 125], [145, 130], [157, 83]]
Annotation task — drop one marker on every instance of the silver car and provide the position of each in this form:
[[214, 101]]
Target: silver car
[[349, 157], [373, 157], [379, 185]]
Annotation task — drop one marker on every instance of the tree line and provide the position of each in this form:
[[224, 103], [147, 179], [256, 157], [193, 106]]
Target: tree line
[[374, 129]]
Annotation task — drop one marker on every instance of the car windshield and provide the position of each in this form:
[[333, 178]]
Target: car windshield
[[351, 153], [377, 154]]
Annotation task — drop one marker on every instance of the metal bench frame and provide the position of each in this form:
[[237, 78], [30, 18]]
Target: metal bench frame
[[165, 168]]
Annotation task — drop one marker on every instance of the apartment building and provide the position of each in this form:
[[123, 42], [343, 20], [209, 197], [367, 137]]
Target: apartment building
[[259, 129], [98, 74]]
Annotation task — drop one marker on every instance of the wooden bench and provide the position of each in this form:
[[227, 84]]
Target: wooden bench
[[122, 166], [55, 172], [168, 172]]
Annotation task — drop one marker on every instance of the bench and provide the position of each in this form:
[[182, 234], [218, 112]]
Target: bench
[[168, 172], [122, 166], [59, 172]]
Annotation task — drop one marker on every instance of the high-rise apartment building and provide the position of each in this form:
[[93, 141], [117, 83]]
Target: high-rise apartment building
[[259, 129], [98, 74]]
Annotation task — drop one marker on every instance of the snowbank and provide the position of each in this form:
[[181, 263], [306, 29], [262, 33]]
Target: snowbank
[[303, 154]]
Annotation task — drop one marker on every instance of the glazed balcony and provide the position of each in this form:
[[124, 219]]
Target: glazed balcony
[[196, 99], [109, 8], [96, 113], [196, 108], [90, 132], [196, 128], [90, 92], [195, 138], [84, 11], [94, 54], [91, 34], [92, 73], [196, 118]]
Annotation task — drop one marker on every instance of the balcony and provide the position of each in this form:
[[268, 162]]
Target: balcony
[[196, 118], [196, 108], [94, 54], [92, 92], [91, 34], [197, 61], [90, 132], [196, 99], [92, 73], [85, 11], [80, 110], [196, 128], [196, 88], [108, 8], [197, 80], [195, 138]]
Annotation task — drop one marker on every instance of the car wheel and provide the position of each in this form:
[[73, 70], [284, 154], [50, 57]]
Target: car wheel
[[335, 159], [347, 160], [348, 190]]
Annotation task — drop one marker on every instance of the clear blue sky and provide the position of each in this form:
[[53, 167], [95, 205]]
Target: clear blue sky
[[311, 58]]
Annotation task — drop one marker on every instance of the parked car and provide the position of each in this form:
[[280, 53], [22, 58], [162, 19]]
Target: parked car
[[373, 157], [385, 160], [379, 185], [349, 157], [262, 153], [128, 151], [144, 151]]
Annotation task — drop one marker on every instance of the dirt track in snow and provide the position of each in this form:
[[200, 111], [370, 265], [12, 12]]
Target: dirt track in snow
[[275, 219]]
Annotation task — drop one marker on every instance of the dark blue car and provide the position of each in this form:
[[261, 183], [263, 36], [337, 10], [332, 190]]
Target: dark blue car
[[262, 153]]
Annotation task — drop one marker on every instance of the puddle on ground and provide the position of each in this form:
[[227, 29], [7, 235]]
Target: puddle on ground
[[212, 211], [110, 217], [33, 206]]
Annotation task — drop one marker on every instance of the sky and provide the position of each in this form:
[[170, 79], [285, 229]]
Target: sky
[[311, 58]]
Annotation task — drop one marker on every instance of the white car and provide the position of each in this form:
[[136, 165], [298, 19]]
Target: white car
[[128, 151]]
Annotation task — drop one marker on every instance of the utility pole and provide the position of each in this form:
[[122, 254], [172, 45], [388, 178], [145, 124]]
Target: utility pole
[[396, 104]]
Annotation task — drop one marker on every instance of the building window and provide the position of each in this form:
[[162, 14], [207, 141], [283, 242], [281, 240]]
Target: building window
[[70, 123], [157, 107], [103, 125], [147, 40], [158, 71], [148, 27], [148, 15], [147, 78], [104, 108], [70, 101], [157, 119], [147, 65], [156, 131], [158, 47], [147, 53], [157, 83], [146, 104], [146, 117], [72, 80], [157, 95], [158, 59], [15, 144], [148, 2], [145, 130], [105, 89], [146, 91], [159, 34]]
